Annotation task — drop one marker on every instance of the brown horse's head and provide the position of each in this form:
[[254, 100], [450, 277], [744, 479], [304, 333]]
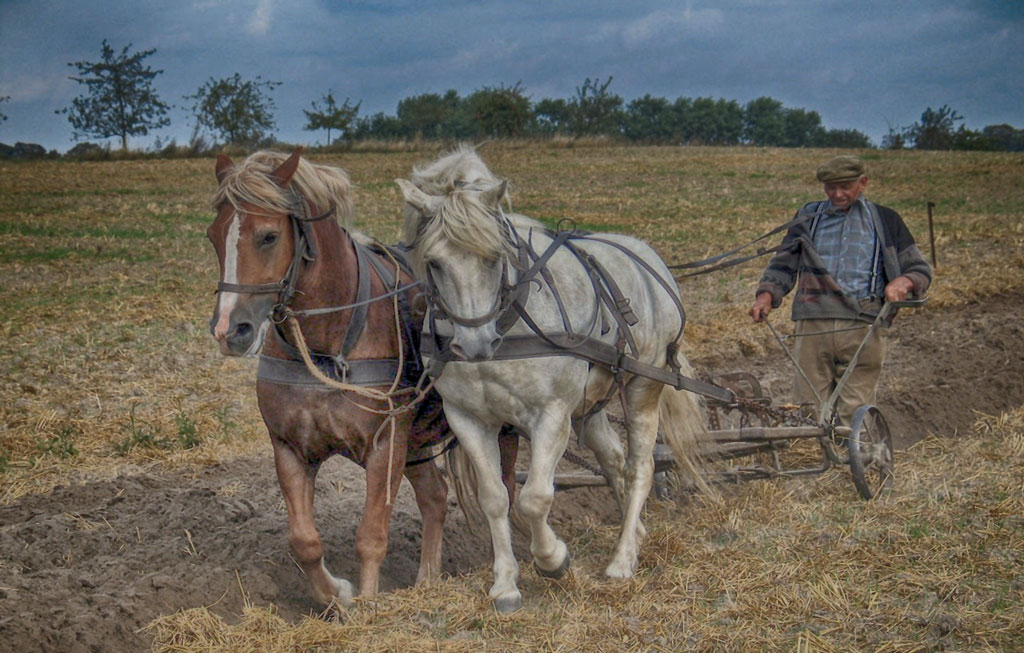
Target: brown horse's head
[[254, 240]]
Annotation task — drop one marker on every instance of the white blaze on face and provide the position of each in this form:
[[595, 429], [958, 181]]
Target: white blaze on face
[[226, 300]]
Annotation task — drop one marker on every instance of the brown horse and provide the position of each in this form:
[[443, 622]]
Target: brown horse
[[283, 256]]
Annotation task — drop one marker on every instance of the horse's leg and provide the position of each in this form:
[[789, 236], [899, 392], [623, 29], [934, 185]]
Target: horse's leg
[[431, 497], [480, 443], [642, 396], [548, 439], [298, 478], [372, 534], [599, 437]]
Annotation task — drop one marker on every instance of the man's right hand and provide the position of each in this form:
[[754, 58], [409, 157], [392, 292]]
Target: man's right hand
[[762, 307]]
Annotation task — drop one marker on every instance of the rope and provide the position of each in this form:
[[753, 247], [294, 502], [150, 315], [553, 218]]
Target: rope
[[391, 413], [369, 393]]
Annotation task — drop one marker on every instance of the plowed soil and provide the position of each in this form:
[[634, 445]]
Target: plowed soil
[[87, 566]]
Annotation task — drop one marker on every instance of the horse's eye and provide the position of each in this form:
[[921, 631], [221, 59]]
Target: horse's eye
[[268, 239]]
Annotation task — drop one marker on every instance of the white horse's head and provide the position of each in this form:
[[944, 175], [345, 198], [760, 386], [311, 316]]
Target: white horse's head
[[461, 246]]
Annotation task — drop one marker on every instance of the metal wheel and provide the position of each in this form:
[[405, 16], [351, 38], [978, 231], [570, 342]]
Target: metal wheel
[[871, 454]]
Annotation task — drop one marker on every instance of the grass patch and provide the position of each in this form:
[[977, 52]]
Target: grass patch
[[53, 231]]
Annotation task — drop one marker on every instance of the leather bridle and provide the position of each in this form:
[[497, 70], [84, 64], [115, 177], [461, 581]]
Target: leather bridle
[[304, 249]]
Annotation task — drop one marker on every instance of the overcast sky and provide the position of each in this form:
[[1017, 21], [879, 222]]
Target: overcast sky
[[867, 65]]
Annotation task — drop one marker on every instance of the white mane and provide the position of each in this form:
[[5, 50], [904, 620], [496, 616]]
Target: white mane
[[460, 167]]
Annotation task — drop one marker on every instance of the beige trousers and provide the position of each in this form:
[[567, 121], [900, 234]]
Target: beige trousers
[[824, 358]]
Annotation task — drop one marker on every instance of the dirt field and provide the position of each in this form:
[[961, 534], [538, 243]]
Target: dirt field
[[136, 479], [89, 565]]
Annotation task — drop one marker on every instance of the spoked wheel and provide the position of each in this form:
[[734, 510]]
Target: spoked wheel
[[871, 454]]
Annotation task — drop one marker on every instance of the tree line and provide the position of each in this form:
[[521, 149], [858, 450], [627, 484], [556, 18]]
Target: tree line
[[120, 101]]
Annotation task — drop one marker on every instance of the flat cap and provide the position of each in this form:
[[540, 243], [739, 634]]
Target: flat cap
[[841, 168]]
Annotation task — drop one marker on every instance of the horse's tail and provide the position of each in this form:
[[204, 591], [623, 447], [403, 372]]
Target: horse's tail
[[463, 479], [681, 424]]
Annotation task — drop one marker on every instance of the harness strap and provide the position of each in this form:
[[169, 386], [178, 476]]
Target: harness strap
[[521, 294], [549, 280], [592, 350], [609, 292], [363, 372], [252, 288], [670, 289], [357, 322]]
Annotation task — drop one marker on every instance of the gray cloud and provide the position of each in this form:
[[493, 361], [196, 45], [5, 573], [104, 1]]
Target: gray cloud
[[867, 66]]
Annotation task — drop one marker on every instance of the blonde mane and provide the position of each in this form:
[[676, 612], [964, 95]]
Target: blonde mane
[[250, 182]]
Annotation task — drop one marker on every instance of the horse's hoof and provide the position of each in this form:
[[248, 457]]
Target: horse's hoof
[[619, 571], [507, 604], [555, 574]]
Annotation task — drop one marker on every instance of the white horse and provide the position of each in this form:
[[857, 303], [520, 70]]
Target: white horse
[[483, 271]]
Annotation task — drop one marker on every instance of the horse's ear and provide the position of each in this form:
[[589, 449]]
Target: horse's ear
[[493, 195], [284, 172], [416, 198], [224, 163]]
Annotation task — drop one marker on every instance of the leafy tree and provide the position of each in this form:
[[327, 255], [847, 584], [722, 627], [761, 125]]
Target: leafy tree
[[801, 128], [240, 111], [1005, 137], [594, 110], [434, 116], [895, 140], [378, 126], [331, 116], [552, 115], [650, 120], [842, 138], [120, 100], [936, 129], [707, 121], [968, 139], [500, 112], [764, 122]]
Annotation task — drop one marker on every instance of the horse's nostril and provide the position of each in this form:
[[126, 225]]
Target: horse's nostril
[[458, 352], [242, 330]]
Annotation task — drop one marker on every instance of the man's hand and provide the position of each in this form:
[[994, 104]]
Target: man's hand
[[762, 306], [898, 289]]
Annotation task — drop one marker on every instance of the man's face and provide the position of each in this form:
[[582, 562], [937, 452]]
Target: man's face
[[844, 193]]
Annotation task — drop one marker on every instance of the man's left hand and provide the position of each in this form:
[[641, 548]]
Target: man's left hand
[[898, 289]]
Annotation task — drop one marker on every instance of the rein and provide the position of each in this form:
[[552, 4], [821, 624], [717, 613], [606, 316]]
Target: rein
[[713, 261]]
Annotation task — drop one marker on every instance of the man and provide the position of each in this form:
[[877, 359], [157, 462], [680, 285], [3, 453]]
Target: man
[[847, 256]]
